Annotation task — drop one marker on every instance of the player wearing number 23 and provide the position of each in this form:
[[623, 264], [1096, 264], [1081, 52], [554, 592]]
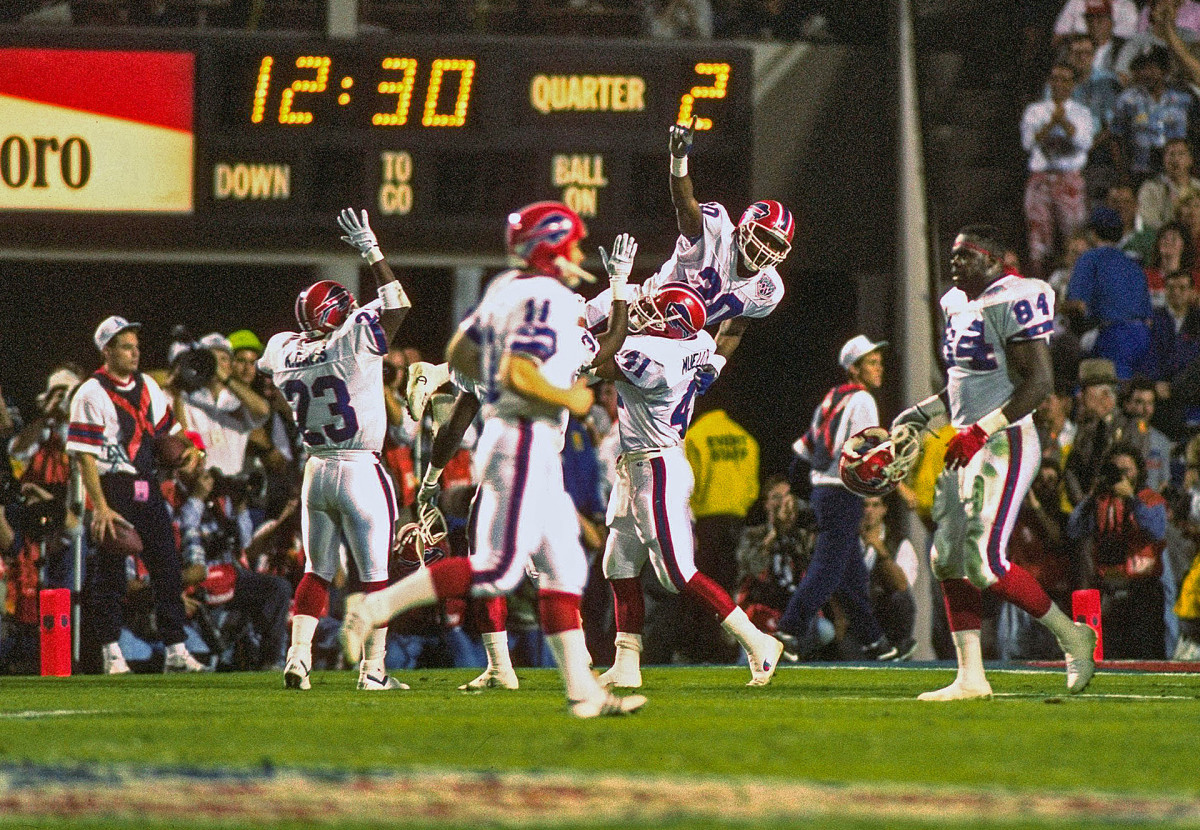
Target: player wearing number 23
[[331, 373], [996, 345]]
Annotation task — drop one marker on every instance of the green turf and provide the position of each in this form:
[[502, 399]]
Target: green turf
[[1130, 734]]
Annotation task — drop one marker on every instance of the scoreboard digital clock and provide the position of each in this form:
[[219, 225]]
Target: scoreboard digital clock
[[257, 141]]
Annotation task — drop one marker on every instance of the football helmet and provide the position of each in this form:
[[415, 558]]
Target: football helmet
[[540, 236], [675, 310], [418, 543], [323, 307], [874, 462], [764, 234]]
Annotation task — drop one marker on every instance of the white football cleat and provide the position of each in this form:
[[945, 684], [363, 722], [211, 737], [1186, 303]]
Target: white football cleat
[[114, 663], [958, 691], [492, 679], [355, 629], [1079, 654], [607, 705], [764, 661], [378, 682], [182, 662], [295, 673], [621, 677]]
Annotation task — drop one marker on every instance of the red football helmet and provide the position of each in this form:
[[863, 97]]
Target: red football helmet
[[764, 234], [674, 309], [322, 307], [421, 543], [542, 235], [873, 463]]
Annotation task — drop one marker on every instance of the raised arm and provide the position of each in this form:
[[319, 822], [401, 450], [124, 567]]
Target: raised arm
[[619, 266], [394, 303], [687, 209]]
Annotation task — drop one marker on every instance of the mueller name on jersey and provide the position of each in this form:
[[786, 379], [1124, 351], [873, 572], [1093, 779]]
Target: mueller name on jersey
[[695, 361], [297, 360]]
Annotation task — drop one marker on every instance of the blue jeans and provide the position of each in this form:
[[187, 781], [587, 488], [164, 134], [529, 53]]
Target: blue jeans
[[836, 567]]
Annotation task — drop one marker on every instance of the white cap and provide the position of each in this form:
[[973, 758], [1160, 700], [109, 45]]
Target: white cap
[[110, 328], [216, 340], [857, 348], [62, 377]]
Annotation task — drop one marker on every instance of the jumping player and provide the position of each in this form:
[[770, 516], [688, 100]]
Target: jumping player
[[996, 344], [524, 343], [331, 373], [648, 513]]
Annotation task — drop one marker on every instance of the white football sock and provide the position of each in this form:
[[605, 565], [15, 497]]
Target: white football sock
[[629, 652], [303, 629], [414, 591], [495, 643], [375, 650], [744, 631], [970, 657], [1059, 623], [570, 652]]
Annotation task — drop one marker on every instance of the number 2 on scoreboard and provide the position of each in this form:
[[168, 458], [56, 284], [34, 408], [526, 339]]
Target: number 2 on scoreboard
[[717, 89]]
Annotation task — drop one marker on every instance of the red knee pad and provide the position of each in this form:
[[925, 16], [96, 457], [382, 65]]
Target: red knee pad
[[630, 605], [711, 594], [964, 604], [1020, 588], [451, 577], [312, 596], [559, 611], [491, 615]]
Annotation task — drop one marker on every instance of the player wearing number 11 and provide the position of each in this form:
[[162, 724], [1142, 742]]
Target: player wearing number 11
[[331, 373], [996, 345]]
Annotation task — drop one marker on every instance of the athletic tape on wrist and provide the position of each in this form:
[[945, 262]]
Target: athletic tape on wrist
[[620, 288], [993, 422], [373, 255], [678, 167], [432, 475], [392, 296]]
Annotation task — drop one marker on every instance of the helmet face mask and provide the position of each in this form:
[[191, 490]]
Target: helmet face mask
[[544, 237], [674, 310], [764, 234], [873, 462], [323, 307]]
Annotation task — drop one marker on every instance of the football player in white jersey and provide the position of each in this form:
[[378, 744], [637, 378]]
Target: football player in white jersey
[[996, 344], [525, 344], [649, 516], [331, 373]]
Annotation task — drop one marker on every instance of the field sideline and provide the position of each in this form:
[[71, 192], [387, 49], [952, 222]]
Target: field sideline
[[822, 746]]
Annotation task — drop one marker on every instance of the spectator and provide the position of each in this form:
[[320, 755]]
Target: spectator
[[1157, 196], [1174, 346], [274, 445], [1076, 245], [1187, 14], [1096, 426], [1161, 13], [1056, 430], [1173, 252], [892, 565], [1109, 288], [1120, 528], [214, 525], [224, 410], [679, 20], [1137, 408], [772, 556], [1148, 114], [116, 417], [1092, 17], [1057, 134]]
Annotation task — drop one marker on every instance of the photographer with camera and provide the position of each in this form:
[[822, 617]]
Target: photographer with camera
[[217, 405], [211, 514], [1121, 526]]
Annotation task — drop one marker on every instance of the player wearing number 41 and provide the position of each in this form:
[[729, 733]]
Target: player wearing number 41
[[331, 373], [996, 345], [523, 342]]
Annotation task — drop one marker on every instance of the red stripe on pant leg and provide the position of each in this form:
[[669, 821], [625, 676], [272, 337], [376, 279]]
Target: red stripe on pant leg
[[559, 611], [711, 594], [630, 605], [491, 615], [312, 596], [451, 577], [964, 604], [1020, 588], [372, 587]]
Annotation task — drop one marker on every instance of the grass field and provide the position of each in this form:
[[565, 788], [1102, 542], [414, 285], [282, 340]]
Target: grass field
[[820, 747]]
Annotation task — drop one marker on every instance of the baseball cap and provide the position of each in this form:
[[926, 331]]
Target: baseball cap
[[110, 328], [857, 348], [216, 340], [1093, 7], [245, 339], [1096, 371]]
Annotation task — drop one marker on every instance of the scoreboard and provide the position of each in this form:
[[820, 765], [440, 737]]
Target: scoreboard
[[255, 142]]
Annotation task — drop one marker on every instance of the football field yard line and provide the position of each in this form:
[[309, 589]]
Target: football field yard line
[[50, 713]]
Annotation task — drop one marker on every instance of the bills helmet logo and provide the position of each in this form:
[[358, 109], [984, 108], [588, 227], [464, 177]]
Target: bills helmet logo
[[675, 310], [874, 461], [539, 236], [323, 307], [764, 234]]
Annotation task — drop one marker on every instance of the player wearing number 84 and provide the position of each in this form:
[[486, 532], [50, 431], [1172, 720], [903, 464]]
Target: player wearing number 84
[[331, 373]]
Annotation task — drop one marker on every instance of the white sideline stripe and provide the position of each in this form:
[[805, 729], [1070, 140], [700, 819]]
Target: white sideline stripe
[[30, 714], [990, 670], [1015, 695]]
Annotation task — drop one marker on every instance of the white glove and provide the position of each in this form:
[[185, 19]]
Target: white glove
[[619, 265], [359, 234]]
